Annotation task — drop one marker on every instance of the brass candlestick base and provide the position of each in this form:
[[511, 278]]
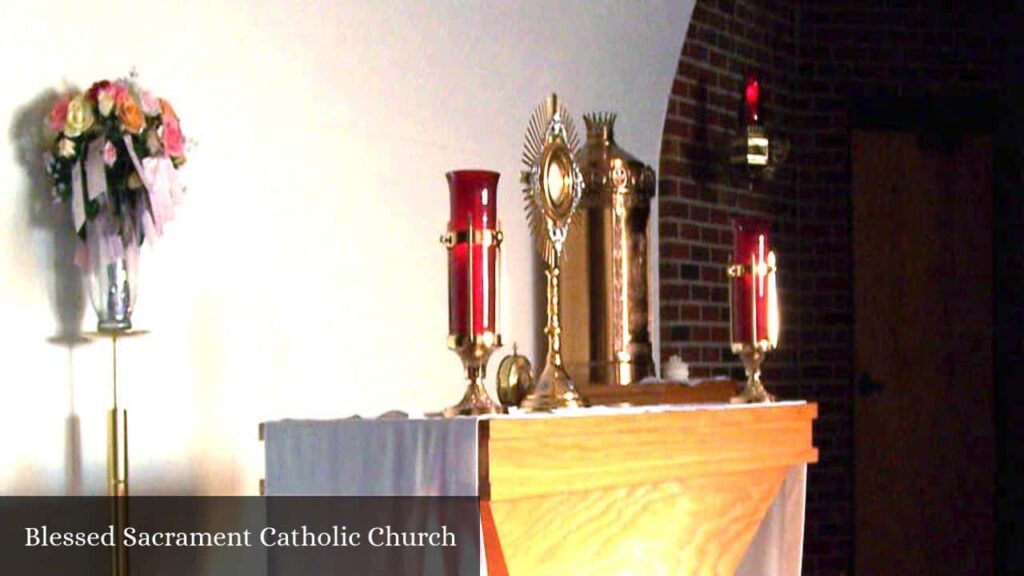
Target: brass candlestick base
[[753, 391], [474, 354], [476, 400]]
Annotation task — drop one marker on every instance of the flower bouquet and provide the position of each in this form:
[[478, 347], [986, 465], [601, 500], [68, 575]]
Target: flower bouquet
[[114, 158]]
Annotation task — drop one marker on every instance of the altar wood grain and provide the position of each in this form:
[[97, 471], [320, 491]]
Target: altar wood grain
[[526, 458], [709, 391], [700, 525]]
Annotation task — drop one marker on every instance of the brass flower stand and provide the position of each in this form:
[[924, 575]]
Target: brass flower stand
[[117, 455]]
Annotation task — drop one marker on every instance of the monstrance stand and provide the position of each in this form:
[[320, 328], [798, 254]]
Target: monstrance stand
[[552, 189], [117, 453]]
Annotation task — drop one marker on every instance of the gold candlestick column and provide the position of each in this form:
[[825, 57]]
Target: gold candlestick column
[[117, 473]]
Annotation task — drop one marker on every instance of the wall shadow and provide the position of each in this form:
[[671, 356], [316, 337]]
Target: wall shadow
[[29, 139]]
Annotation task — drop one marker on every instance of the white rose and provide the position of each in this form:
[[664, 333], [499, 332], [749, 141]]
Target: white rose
[[66, 148], [105, 102]]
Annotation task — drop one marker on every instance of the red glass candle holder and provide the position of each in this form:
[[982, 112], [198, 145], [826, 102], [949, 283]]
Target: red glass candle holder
[[749, 286], [753, 302], [474, 252], [472, 264], [752, 100]]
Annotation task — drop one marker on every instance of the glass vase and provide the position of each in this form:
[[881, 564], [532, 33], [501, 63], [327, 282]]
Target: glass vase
[[113, 287]]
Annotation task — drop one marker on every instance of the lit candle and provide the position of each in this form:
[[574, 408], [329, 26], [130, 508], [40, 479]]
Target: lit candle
[[474, 208], [754, 302], [752, 100]]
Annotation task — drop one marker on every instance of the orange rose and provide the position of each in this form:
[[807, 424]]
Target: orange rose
[[166, 110], [129, 113]]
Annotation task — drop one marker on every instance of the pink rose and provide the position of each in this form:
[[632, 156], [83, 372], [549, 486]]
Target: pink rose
[[150, 104], [119, 89], [109, 154], [174, 142], [59, 114]]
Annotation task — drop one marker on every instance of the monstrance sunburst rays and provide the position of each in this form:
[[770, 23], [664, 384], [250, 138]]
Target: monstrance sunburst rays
[[552, 181]]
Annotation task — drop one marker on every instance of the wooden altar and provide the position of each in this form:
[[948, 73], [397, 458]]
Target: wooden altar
[[664, 489], [679, 492]]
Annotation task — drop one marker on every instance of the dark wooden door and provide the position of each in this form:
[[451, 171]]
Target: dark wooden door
[[923, 412]]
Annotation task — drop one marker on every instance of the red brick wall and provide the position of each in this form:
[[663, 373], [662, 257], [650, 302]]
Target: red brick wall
[[814, 58]]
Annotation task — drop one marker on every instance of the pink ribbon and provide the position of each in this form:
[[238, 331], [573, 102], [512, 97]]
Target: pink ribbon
[[95, 170], [163, 188], [104, 242], [95, 181], [77, 201]]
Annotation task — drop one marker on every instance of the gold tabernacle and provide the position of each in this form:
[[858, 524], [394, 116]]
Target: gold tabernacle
[[607, 284]]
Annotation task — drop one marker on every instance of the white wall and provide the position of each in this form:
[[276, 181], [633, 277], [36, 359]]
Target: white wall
[[303, 277]]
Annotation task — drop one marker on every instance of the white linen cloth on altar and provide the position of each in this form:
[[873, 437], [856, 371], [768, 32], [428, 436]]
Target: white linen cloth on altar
[[356, 457], [437, 457]]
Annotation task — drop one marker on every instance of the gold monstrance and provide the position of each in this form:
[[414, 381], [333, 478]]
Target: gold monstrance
[[552, 189]]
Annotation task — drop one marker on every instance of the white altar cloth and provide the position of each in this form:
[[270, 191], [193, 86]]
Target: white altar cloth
[[437, 457]]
